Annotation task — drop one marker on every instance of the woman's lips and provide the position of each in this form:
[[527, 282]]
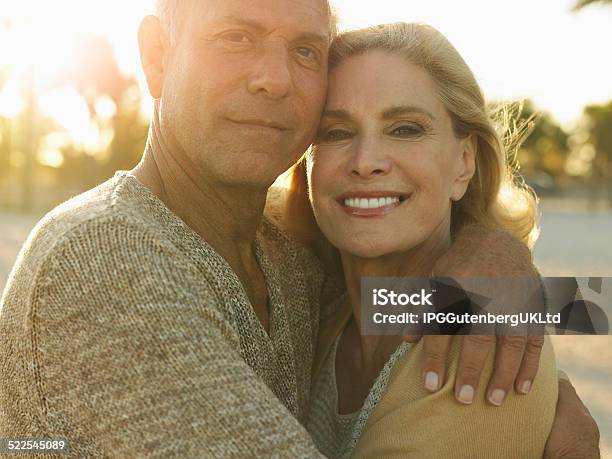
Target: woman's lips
[[371, 204]]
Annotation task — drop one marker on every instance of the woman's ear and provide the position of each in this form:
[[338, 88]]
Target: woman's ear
[[466, 167], [154, 46]]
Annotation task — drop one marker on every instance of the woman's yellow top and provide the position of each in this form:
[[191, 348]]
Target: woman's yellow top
[[400, 418]]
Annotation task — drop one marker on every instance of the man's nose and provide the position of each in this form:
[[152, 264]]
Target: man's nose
[[272, 75], [368, 160]]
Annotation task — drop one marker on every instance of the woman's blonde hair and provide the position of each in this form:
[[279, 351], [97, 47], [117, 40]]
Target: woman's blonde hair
[[496, 196]]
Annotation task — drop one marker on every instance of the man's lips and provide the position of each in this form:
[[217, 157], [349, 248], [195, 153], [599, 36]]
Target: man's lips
[[371, 203], [261, 123]]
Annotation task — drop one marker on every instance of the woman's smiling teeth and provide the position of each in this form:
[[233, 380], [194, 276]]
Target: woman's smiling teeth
[[370, 203]]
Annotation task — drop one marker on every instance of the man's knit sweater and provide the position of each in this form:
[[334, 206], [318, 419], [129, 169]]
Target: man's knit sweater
[[124, 332]]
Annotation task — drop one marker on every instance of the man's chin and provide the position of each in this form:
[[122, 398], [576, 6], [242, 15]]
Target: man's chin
[[250, 181], [248, 166]]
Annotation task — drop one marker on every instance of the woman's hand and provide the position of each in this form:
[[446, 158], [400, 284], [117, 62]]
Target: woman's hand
[[516, 365], [478, 251]]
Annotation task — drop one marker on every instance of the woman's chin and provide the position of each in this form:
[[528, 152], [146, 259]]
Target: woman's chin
[[367, 250]]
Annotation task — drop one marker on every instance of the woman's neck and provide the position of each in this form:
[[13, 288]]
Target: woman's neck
[[416, 262]]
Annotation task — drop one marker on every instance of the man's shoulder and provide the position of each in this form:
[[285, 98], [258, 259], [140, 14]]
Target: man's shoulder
[[112, 214], [118, 198]]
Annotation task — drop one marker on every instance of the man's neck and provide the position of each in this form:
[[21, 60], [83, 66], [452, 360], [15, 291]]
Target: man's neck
[[227, 218]]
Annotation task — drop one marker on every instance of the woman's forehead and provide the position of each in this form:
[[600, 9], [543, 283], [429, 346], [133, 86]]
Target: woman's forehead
[[382, 82]]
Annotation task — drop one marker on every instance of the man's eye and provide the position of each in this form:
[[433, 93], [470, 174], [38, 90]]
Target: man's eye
[[334, 135], [306, 52], [236, 37], [407, 130]]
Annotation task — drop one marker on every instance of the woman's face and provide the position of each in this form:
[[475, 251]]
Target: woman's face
[[386, 163]]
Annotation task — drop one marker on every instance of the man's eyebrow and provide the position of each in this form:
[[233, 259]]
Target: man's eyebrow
[[243, 22], [400, 110], [313, 37]]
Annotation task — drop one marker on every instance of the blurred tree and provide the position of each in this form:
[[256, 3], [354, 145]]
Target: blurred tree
[[30, 140], [5, 146], [5, 123], [600, 117], [96, 76], [130, 133], [582, 3], [112, 138], [599, 122], [546, 146], [547, 142], [93, 71]]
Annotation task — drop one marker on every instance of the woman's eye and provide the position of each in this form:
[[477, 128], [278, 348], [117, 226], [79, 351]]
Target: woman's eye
[[407, 130], [334, 135]]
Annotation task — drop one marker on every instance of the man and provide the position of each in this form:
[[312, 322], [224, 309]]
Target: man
[[160, 314]]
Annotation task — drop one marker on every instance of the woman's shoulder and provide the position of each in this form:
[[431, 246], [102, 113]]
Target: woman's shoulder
[[410, 420]]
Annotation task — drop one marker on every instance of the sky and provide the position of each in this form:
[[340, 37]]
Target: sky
[[517, 49]]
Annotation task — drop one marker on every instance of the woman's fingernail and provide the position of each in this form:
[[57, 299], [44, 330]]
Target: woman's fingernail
[[431, 381], [526, 387], [497, 397], [466, 394]]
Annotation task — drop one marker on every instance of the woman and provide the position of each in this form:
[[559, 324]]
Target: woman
[[406, 156]]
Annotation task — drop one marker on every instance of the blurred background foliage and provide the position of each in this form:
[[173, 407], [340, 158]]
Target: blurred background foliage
[[87, 121], [582, 3], [72, 132]]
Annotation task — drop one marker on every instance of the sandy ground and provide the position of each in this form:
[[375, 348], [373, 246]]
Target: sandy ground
[[573, 243]]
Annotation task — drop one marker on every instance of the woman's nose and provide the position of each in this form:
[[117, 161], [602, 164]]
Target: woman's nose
[[368, 160]]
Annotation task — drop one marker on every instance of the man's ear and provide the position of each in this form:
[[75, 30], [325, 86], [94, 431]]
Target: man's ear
[[466, 167], [154, 46]]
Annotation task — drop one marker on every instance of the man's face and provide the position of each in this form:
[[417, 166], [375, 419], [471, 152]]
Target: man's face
[[244, 87]]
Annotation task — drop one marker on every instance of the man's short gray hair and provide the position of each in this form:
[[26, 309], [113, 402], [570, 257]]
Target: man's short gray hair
[[170, 13]]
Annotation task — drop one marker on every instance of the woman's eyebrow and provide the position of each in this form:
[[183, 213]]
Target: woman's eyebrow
[[400, 110], [341, 115]]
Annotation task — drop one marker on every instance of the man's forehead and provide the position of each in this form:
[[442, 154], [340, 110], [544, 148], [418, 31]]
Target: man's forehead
[[305, 15], [316, 6]]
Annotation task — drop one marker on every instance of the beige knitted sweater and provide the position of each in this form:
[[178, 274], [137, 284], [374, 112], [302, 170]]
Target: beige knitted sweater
[[124, 332]]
